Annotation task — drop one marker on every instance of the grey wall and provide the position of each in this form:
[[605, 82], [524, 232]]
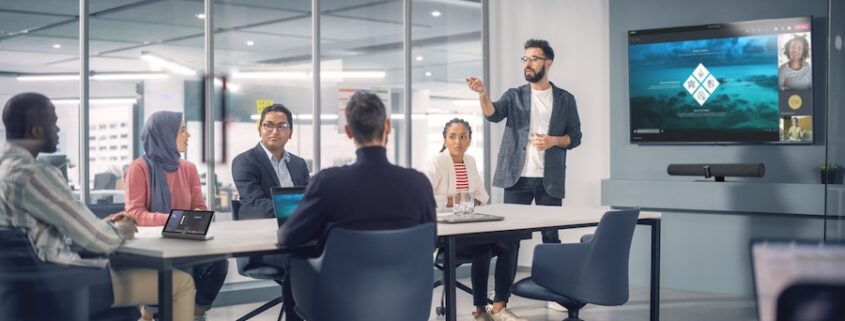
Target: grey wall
[[705, 244]]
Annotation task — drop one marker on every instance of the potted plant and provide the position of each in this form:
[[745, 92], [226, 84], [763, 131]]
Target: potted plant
[[828, 173]]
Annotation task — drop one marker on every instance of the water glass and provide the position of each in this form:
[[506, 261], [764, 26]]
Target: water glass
[[468, 203]]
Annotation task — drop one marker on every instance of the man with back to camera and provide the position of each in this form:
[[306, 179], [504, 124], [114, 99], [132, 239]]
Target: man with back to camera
[[542, 125], [370, 194]]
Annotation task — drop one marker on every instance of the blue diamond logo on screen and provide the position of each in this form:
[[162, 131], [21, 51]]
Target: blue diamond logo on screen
[[701, 84]]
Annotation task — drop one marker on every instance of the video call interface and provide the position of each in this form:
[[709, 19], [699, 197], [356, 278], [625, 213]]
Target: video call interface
[[188, 222], [732, 82]]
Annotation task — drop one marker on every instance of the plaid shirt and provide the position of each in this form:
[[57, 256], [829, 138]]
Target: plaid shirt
[[34, 197]]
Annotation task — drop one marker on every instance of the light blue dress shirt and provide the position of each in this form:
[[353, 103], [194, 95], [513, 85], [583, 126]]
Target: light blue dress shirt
[[280, 166]]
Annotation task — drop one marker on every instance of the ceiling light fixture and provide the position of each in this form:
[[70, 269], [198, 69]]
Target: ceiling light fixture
[[95, 101], [250, 43], [428, 73], [200, 16], [158, 62], [419, 58], [93, 76], [57, 46], [435, 13]]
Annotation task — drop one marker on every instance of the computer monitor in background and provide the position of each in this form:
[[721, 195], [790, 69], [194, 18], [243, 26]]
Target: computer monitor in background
[[60, 161], [802, 267]]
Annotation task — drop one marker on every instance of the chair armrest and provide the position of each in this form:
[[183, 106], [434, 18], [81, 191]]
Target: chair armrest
[[304, 277], [559, 266]]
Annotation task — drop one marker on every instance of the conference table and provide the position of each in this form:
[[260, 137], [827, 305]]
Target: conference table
[[256, 237]]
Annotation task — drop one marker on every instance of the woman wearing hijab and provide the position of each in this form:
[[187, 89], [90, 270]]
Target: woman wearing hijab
[[160, 181]]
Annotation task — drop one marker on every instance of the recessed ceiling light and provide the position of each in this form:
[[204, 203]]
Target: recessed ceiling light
[[250, 43], [57, 46], [200, 16], [428, 73], [419, 58], [435, 13]]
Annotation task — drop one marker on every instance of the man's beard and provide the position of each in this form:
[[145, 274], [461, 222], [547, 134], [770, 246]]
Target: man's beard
[[538, 75]]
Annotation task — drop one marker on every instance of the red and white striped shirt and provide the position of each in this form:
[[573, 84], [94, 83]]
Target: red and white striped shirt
[[461, 179]]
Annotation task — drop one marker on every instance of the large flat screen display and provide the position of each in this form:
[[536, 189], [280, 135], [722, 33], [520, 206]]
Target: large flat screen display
[[740, 82]]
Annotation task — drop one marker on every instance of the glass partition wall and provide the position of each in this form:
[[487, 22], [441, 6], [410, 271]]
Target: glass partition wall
[[148, 56], [835, 219]]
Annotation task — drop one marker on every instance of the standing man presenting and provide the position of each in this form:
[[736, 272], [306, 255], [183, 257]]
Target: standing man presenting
[[542, 125]]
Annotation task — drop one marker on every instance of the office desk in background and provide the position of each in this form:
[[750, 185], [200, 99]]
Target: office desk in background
[[251, 237]]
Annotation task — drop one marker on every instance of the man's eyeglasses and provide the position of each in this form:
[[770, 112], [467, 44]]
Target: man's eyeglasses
[[271, 126], [532, 59]]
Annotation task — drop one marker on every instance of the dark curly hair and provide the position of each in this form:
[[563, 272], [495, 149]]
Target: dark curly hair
[[803, 40], [543, 45], [452, 122]]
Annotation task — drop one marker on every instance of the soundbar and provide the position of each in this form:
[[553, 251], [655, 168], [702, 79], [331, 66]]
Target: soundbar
[[719, 171]]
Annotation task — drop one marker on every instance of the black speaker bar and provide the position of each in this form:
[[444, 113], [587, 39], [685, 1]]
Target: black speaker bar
[[719, 171]]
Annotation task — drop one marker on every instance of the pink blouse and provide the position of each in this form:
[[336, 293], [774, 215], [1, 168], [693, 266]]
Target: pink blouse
[[185, 191]]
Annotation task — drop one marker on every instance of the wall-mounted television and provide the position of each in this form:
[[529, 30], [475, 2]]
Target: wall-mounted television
[[739, 82]]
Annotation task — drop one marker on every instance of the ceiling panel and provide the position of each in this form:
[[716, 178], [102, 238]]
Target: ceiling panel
[[18, 61], [119, 30]]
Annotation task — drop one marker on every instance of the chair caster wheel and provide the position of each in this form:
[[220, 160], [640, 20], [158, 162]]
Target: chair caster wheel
[[440, 311]]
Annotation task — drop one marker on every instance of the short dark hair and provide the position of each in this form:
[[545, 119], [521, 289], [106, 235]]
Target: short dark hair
[[276, 108], [365, 114], [543, 45], [24, 111], [806, 44]]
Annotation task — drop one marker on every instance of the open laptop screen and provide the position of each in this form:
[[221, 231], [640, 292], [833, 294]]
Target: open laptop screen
[[188, 222], [780, 264], [285, 202]]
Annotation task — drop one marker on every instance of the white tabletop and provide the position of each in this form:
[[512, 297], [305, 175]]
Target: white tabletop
[[233, 237]]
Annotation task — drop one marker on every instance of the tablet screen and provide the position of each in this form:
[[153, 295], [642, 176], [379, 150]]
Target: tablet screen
[[188, 222]]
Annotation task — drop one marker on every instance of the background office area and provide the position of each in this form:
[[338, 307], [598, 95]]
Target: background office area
[[150, 55]]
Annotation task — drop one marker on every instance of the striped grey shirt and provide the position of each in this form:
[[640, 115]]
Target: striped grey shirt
[[34, 197]]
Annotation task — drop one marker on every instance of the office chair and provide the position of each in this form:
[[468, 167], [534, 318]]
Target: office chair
[[460, 259], [595, 271], [105, 181], [33, 290], [380, 275], [251, 267]]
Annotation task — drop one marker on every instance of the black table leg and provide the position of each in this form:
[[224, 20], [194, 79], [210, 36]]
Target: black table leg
[[165, 295], [449, 279], [654, 304]]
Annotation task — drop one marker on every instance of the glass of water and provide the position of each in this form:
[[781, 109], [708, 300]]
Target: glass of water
[[468, 203], [458, 204]]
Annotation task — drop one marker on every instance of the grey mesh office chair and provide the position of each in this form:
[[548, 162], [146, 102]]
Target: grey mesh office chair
[[595, 271], [251, 267], [367, 276]]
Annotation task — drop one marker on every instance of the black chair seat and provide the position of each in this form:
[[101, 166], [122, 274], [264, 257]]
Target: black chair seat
[[264, 273], [527, 288]]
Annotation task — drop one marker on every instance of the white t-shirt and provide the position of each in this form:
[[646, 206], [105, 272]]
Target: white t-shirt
[[541, 115]]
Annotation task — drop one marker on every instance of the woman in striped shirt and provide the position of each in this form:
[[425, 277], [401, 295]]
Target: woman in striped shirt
[[453, 172]]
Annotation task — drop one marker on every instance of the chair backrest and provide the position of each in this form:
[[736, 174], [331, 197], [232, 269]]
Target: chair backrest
[[236, 210], [370, 275], [105, 181], [242, 262], [603, 270]]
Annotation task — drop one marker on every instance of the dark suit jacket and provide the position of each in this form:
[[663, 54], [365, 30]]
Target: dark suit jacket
[[254, 176], [515, 105], [370, 194]]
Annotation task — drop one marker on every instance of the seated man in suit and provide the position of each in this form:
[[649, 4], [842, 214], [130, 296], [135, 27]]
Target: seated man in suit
[[265, 166], [370, 194], [268, 165]]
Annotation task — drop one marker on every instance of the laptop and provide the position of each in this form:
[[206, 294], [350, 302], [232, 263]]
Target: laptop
[[475, 217], [285, 201], [796, 277], [187, 224]]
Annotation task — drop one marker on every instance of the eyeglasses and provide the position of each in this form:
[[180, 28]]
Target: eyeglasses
[[280, 126], [531, 59]]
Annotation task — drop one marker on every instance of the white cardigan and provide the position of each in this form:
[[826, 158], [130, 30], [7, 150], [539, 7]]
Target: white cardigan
[[441, 173]]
